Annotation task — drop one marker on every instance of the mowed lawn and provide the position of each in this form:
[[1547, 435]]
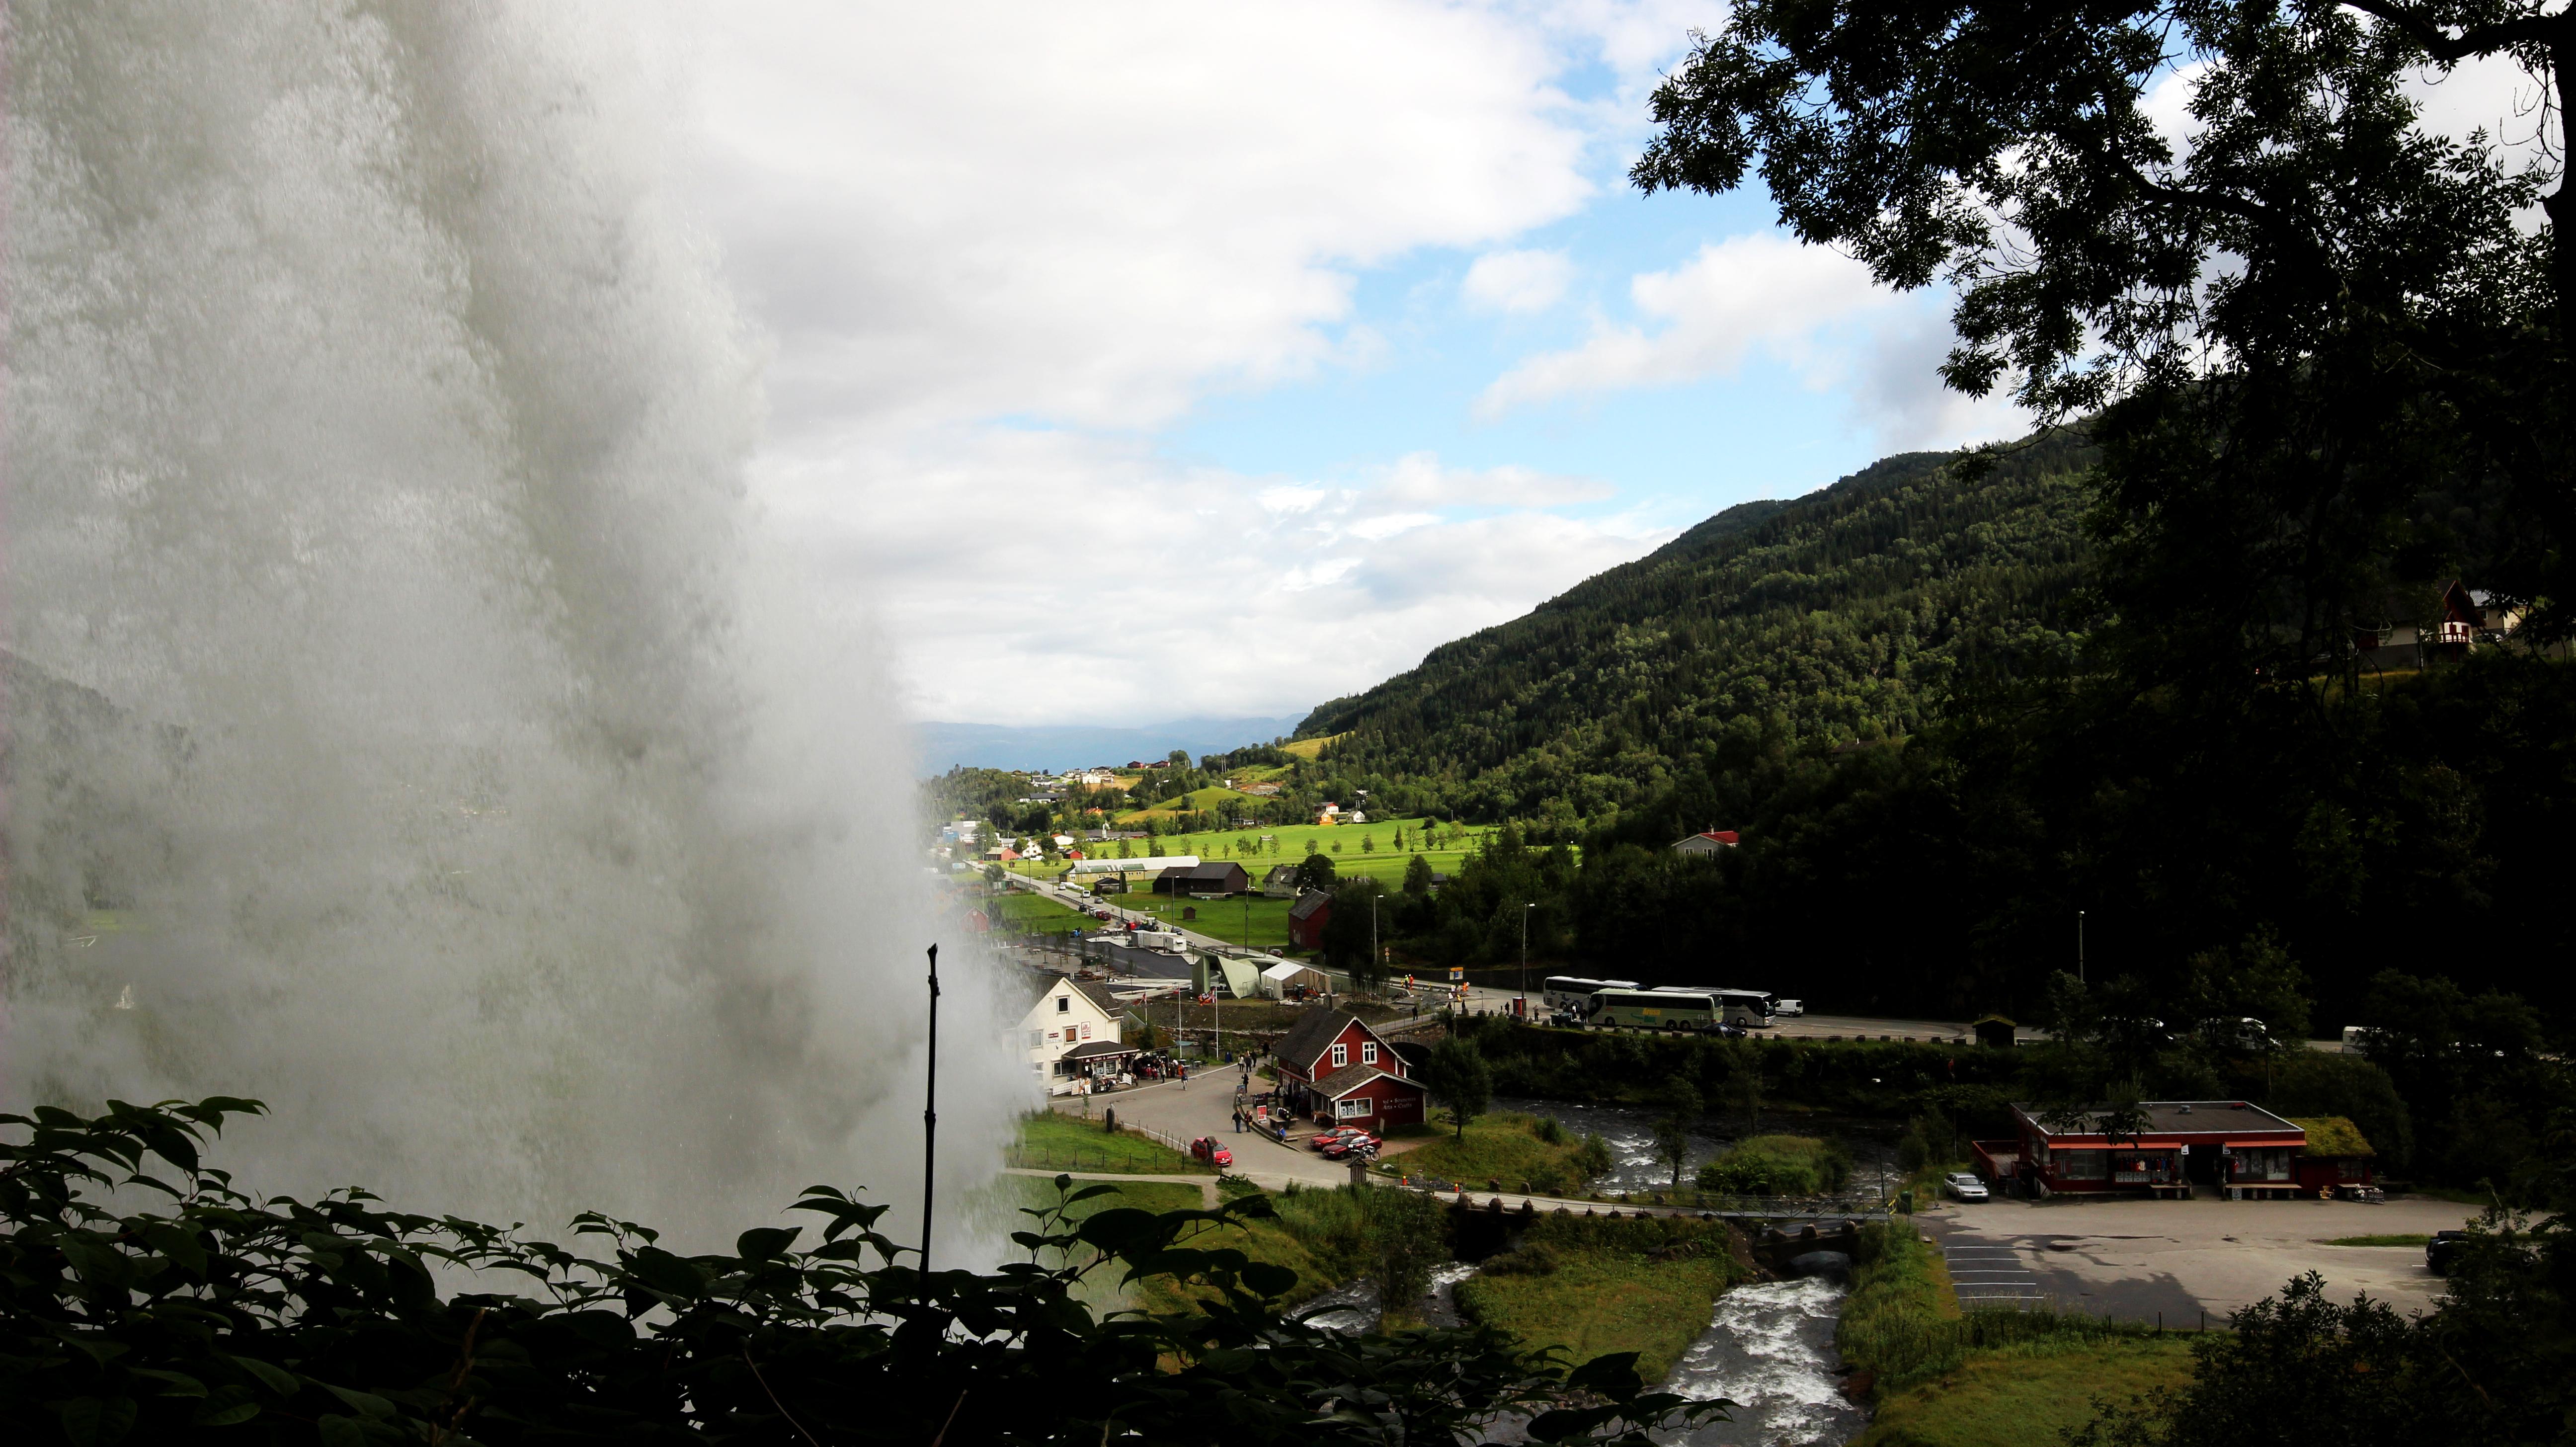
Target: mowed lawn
[[1051, 1141], [2028, 1394], [1599, 1302]]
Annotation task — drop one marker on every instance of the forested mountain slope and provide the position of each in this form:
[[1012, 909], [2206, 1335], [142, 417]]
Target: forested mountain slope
[[1834, 617]]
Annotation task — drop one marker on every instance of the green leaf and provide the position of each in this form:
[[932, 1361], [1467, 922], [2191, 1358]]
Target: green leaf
[[92, 1422], [226, 1407], [666, 1273], [174, 1384], [364, 1402], [338, 1431], [277, 1379], [1266, 1278], [765, 1243]]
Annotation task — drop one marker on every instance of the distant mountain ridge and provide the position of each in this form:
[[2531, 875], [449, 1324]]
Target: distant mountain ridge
[[1838, 616], [1054, 748]]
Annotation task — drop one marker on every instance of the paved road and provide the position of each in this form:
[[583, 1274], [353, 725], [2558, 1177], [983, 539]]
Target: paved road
[[2134, 1259]]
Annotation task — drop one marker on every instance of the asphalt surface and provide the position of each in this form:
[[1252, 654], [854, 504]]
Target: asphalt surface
[[2134, 1259]]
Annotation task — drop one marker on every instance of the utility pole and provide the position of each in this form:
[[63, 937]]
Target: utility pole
[[1524, 1000], [930, 1126], [1374, 961], [2079, 947]]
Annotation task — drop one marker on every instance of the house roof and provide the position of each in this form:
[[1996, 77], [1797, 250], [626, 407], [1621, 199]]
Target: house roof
[[1351, 1077], [1308, 903], [2179, 1117], [1042, 983], [1281, 873], [1097, 1048], [1313, 1031], [2332, 1135], [1215, 869]]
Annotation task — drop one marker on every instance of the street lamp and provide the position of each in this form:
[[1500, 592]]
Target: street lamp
[[1524, 1000]]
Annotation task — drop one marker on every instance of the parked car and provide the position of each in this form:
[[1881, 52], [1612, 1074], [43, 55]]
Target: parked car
[[1965, 1186], [1788, 1007], [1323, 1138], [1207, 1149], [2443, 1249], [1358, 1142]]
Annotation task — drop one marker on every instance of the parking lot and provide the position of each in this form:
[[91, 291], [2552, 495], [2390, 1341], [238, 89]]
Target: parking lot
[[2135, 1259]]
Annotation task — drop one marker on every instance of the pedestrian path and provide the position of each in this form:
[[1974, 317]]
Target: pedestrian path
[[1992, 1273]]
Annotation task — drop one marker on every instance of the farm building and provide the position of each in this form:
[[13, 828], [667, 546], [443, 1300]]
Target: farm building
[[1307, 918], [2336, 1157], [1707, 841], [1211, 880], [1333, 1067], [1280, 882], [2181, 1146]]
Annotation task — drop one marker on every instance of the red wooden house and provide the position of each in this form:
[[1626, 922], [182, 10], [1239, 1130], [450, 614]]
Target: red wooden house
[[2181, 1146], [1307, 918], [1333, 1067]]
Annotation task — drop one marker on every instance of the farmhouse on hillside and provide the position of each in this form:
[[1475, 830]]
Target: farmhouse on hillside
[[1333, 1067], [1280, 882], [1073, 1032], [1707, 841]]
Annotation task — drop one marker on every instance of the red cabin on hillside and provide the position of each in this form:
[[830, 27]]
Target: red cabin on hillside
[[1333, 1067]]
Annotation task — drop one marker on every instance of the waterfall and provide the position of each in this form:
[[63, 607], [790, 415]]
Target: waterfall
[[409, 719]]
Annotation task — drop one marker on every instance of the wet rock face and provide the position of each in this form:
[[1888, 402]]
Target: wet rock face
[[1831, 1265]]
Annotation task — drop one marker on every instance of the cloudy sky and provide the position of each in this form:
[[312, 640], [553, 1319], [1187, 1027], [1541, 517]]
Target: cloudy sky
[[1135, 360]]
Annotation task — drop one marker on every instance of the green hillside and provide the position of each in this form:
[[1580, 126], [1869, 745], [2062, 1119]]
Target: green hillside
[[1833, 618]]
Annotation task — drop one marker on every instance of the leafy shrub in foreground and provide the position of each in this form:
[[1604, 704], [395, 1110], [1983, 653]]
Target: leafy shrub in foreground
[[220, 1318]]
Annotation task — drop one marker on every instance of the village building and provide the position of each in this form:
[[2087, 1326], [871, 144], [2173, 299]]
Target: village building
[[1211, 879], [1074, 1031], [1334, 1068], [2180, 1147], [1707, 841], [1307, 918], [2337, 1158], [1280, 882]]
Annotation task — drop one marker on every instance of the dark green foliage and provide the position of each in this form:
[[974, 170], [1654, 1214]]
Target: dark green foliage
[[1459, 1080], [1833, 618], [1315, 871], [1680, 1104], [1362, 915], [223, 1319]]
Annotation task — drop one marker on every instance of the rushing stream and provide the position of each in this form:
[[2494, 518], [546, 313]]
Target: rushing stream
[[1770, 1349], [1629, 1131]]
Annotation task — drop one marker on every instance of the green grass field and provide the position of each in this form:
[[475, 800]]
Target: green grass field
[[2027, 1394], [1589, 1287], [1499, 1148], [1050, 1141]]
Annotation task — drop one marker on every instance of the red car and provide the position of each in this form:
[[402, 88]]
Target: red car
[[1346, 1142], [1207, 1149]]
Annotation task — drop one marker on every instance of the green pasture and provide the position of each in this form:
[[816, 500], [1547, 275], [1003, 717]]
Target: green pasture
[[1051, 1141]]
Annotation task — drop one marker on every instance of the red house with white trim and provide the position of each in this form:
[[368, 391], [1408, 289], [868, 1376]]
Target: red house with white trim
[[1333, 1067]]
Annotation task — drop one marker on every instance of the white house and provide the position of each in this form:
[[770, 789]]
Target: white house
[[1707, 841], [1073, 1030]]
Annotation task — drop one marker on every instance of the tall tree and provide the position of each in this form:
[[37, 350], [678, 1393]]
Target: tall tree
[[1458, 1076], [2316, 336], [1681, 1111]]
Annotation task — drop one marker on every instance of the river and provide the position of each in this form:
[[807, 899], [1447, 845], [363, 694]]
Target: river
[[1629, 1131]]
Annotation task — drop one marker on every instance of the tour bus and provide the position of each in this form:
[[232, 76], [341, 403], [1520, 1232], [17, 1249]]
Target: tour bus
[[1574, 992], [1660, 1009], [1751, 1009]]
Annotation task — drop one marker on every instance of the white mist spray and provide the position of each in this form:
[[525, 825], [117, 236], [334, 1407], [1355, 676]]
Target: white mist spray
[[407, 724]]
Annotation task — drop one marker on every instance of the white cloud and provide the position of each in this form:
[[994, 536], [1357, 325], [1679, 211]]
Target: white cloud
[[1092, 214], [1096, 580], [1737, 295], [1419, 477], [1524, 282]]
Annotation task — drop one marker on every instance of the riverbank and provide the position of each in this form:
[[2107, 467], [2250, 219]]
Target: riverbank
[[1594, 1286]]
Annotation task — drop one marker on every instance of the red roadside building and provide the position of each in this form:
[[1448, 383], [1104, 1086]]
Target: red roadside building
[[2179, 1147], [1333, 1067]]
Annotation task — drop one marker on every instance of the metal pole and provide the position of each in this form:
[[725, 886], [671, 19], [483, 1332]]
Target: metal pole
[[1524, 1000], [2079, 947], [930, 1126]]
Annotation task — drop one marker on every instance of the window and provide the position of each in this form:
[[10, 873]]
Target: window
[[1064, 1004], [1033, 1039], [1368, 1055], [1341, 1056], [1354, 1105], [2348, 1169], [2081, 1165]]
